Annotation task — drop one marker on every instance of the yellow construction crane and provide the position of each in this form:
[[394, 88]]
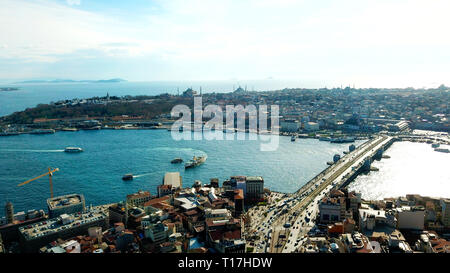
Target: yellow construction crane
[[49, 173]]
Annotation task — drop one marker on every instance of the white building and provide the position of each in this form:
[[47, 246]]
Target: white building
[[217, 214], [71, 246], [370, 218], [311, 126], [290, 125]]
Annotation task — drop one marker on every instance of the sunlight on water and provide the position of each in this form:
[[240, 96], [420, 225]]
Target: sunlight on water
[[414, 168]]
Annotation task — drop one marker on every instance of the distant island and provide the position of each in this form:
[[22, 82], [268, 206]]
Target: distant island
[[8, 89], [74, 81]]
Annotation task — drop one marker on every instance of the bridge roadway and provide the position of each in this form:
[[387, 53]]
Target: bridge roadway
[[338, 170]]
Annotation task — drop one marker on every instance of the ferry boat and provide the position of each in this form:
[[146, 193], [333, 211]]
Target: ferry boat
[[442, 150], [69, 129], [73, 150], [128, 176], [42, 131], [195, 161], [176, 160], [93, 128]]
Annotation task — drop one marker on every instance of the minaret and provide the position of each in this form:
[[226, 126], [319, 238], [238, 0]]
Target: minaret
[[9, 212]]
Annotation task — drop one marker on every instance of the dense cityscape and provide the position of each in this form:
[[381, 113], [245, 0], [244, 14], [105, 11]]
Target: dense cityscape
[[224, 135], [240, 215]]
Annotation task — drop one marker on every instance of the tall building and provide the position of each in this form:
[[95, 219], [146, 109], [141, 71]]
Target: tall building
[[66, 204], [332, 209], [254, 188], [445, 215]]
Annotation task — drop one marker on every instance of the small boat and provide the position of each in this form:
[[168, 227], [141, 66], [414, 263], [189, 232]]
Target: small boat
[[176, 160], [442, 150], [195, 161], [128, 176], [73, 150], [69, 129], [435, 145], [293, 138]]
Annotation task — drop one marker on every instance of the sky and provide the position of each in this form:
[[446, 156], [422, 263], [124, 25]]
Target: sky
[[384, 43]]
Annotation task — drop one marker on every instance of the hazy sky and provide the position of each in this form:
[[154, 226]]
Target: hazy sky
[[367, 43]]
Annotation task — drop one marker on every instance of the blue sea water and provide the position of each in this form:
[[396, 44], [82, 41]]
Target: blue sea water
[[109, 154]]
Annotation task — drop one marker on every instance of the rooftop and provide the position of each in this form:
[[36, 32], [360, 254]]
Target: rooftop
[[173, 179], [65, 200], [45, 228]]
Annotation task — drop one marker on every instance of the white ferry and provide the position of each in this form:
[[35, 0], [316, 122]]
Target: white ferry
[[73, 150]]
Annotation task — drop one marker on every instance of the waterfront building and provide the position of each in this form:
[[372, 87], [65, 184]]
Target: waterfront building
[[399, 126], [290, 125], [174, 179], [311, 126], [66, 204], [254, 188], [138, 199], [36, 235]]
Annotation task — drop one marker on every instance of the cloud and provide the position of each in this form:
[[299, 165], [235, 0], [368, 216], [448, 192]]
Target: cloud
[[73, 2], [223, 39]]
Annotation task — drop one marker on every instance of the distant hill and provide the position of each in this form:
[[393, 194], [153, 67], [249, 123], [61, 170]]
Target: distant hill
[[74, 81]]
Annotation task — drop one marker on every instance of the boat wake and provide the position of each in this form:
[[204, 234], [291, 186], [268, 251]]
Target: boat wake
[[141, 175], [32, 151], [188, 151]]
